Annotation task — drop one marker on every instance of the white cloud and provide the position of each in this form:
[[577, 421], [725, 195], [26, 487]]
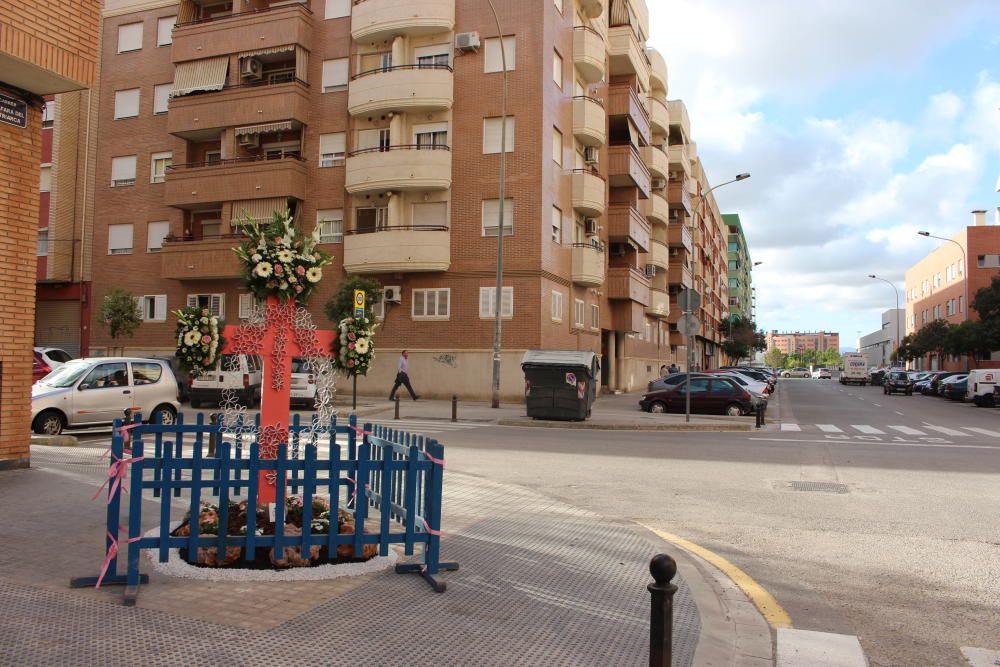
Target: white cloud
[[984, 116], [943, 108]]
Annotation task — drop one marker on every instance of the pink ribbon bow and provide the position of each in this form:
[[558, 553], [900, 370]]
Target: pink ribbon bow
[[434, 460], [125, 431], [116, 476], [354, 494], [359, 430], [112, 553]]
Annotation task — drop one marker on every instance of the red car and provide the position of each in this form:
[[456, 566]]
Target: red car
[[39, 368], [709, 395]]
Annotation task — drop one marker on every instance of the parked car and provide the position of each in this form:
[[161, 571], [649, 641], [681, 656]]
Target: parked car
[[183, 379], [933, 382], [981, 387], [795, 373], [39, 368], [758, 390], [303, 387], [709, 395], [53, 357], [822, 374], [670, 381], [242, 373], [953, 387], [96, 391], [897, 382], [876, 375]]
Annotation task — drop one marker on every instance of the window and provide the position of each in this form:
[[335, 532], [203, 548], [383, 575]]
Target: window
[[129, 37], [213, 157], [491, 215], [336, 9], [216, 303], [164, 30], [49, 114], [647, 331], [106, 375], [433, 56], [161, 97], [557, 146], [127, 103], [120, 239], [146, 372], [153, 308], [155, 233], [331, 225], [733, 247], [248, 303], [371, 219], [961, 304], [557, 69], [595, 316], [335, 74], [488, 301], [491, 134], [45, 178], [43, 243], [375, 138], [732, 265], [431, 304], [579, 312], [492, 62], [430, 134], [430, 214], [332, 148], [557, 305], [556, 225], [961, 266], [158, 163]]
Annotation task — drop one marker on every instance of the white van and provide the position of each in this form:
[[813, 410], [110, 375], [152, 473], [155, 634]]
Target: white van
[[243, 373], [980, 387]]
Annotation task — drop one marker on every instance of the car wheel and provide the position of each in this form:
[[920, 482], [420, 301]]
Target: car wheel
[[658, 407], [734, 410], [49, 422], [163, 414]]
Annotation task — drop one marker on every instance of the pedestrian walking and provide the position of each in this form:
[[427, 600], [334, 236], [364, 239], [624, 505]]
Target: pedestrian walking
[[673, 368], [664, 371], [403, 376]]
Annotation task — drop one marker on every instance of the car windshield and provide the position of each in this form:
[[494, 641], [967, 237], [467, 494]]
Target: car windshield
[[66, 375]]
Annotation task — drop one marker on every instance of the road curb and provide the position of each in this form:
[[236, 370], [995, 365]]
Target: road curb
[[55, 440], [597, 426]]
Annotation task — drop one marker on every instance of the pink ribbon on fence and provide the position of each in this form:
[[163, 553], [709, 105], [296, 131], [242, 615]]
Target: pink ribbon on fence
[[434, 460], [359, 430], [116, 476], [429, 530], [125, 431], [112, 553], [354, 493]]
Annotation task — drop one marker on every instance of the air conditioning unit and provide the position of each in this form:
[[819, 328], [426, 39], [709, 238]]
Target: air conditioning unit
[[251, 69], [467, 41], [650, 270], [674, 175], [590, 226], [249, 140], [393, 294], [658, 183], [590, 154]]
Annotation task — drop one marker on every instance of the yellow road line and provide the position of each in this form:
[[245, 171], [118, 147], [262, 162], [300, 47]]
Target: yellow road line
[[769, 607]]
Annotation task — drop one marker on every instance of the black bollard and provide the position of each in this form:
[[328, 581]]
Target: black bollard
[[661, 610], [396, 415], [454, 408], [213, 419]]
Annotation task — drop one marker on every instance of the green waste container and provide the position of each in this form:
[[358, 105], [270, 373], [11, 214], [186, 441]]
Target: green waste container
[[560, 384]]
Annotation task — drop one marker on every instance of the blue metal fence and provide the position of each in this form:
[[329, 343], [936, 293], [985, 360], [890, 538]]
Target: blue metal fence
[[398, 474]]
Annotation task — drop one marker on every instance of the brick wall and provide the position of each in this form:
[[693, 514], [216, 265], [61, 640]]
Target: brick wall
[[60, 37]]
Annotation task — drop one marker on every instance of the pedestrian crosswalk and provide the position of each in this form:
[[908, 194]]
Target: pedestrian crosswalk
[[926, 430]]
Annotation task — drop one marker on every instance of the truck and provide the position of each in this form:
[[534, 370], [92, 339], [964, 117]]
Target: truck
[[981, 387], [855, 369]]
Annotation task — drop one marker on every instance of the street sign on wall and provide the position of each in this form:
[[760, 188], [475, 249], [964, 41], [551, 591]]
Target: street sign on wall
[[359, 304], [689, 300], [13, 111]]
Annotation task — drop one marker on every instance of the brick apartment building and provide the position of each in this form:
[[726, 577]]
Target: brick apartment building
[[36, 59], [941, 286], [379, 121], [740, 269], [797, 342]]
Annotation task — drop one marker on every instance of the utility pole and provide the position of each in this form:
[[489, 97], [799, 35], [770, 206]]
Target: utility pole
[[497, 326]]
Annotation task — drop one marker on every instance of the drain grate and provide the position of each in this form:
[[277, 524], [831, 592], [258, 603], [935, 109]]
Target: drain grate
[[819, 487]]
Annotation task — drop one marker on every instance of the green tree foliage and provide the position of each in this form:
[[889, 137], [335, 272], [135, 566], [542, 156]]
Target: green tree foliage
[[932, 337], [742, 337], [986, 302], [775, 358], [813, 358], [120, 312], [341, 305], [908, 350]]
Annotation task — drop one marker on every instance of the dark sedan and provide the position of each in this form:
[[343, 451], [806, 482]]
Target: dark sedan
[[714, 395], [897, 382]]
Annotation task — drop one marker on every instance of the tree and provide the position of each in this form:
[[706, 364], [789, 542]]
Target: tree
[[341, 305], [932, 337], [971, 337], [742, 337], [775, 358], [120, 312], [986, 302], [907, 350]]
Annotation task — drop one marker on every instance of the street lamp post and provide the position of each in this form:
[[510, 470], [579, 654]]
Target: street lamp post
[[965, 271], [895, 292], [498, 302]]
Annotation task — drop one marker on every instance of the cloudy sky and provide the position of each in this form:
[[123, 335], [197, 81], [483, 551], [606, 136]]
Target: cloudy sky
[[861, 122]]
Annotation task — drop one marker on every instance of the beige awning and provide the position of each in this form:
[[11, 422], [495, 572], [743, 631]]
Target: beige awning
[[620, 13], [263, 52], [259, 210], [264, 128], [207, 74]]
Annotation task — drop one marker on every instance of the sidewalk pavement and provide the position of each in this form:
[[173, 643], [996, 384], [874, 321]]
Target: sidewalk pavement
[[541, 583]]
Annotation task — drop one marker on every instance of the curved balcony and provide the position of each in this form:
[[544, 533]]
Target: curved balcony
[[407, 167], [629, 283], [679, 274], [378, 20], [401, 88], [592, 8], [402, 249], [250, 30], [659, 254], [590, 121], [659, 303], [627, 55], [659, 115], [657, 71], [656, 161], [679, 117], [657, 209], [589, 193], [589, 51], [588, 264]]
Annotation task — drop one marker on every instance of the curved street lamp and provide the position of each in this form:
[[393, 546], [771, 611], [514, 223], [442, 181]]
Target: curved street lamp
[[965, 273], [895, 292], [497, 338]]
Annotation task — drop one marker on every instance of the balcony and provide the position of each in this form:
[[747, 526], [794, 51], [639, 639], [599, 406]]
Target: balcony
[[588, 264], [379, 20], [627, 225], [205, 259], [679, 236], [679, 274], [251, 30], [657, 71], [679, 117], [659, 115], [401, 88], [590, 122], [626, 169], [623, 101], [656, 161], [191, 115], [659, 254], [398, 250], [590, 194], [659, 303], [589, 51], [679, 196], [198, 183], [627, 54], [628, 283], [680, 158], [656, 209], [405, 167]]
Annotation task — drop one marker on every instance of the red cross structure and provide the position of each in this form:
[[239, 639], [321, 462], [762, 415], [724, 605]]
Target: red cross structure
[[277, 343]]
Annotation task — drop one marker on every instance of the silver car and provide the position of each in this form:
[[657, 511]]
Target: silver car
[[96, 391]]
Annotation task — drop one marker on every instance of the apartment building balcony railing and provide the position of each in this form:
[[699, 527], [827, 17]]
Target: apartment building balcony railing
[[679, 195], [627, 225], [623, 101], [656, 208], [680, 158], [679, 236], [627, 55], [626, 169], [252, 30], [398, 249], [659, 303], [679, 117], [659, 115], [659, 254], [657, 71], [627, 283], [427, 87], [197, 183], [206, 258], [589, 52], [245, 104], [590, 122], [588, 264], [378, 20], [590, 193], [656, 161], [403, 167], [679, 274]]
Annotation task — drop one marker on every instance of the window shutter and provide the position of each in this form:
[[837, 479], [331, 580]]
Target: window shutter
[[493, 62], [507, 302], [127, 103], [155, 233], [431, 51], [164, 28], [336, 9], [430, 214], [491, 134], [119, 237], [160, 306], [140, 303], [557, 146], [486, 301], [418, 302], [218, 305], [246, 305], [334, 73], [192, 301], [161, 97], [332, 143], [443, 298], [129, 37], [491, 211], [123, 168], [557, 69]]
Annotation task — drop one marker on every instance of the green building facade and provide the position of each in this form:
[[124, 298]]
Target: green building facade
[[740, 268]]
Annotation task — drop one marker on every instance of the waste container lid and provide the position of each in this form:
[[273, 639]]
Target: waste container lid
[[559, 358]]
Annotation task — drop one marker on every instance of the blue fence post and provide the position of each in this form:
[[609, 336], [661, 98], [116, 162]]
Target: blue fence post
[[135, 520], [254, 464], [361, 499]]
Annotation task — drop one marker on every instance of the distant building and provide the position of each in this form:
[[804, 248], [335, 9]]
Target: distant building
[[798, 342], [879, 345], [740, 268]]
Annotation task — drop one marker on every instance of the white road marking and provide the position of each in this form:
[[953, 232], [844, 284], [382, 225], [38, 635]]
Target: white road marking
[[828, 428], [900, 413], [869, 430], [799, 648], [907, 430], [878, 443], [791, 427], [945, 430], [981, 657], [876, 405], [983, 431]]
